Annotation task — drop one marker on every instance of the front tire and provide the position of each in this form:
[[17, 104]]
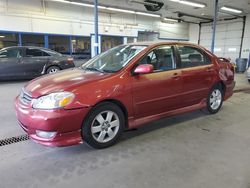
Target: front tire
[[103, 125], [52, 70], [215, 99]]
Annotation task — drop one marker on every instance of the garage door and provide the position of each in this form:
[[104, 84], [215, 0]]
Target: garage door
[[228, 38]]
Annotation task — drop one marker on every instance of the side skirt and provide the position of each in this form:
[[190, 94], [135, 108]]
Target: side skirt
[[135, 123]]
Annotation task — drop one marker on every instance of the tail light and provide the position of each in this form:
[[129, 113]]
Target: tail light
[[70, 60]]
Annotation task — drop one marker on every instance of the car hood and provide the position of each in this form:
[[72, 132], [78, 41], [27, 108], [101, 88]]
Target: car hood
[[62, 81]]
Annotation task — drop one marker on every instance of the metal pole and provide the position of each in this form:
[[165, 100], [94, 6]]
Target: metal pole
[[214, 25], [199, 39], [20, 39], [243, 34], [96, 44]]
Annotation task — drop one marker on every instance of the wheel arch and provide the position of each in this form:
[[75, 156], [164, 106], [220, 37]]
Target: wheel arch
[[222, 84]]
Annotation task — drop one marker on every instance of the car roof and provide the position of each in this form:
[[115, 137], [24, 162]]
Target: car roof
[[25, 47], [161, 42]]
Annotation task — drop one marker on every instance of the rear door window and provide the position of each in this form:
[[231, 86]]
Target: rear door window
[[192, 57], [35, 53]]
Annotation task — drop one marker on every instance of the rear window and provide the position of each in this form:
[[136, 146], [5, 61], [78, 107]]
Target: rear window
[[35, 53]]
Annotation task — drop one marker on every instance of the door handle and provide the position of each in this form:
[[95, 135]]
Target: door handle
[[176, 75]]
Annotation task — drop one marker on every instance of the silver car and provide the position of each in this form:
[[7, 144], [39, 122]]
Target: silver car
[[248, 74]]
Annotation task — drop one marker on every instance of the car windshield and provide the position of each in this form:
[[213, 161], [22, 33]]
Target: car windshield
[[114, 59]]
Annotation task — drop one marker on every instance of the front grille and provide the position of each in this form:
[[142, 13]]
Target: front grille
[[25, 98]]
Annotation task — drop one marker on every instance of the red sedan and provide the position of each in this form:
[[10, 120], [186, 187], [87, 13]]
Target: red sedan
[[123, 88]]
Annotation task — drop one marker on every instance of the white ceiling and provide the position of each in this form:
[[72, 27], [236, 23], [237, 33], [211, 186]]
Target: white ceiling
[[170, 8]]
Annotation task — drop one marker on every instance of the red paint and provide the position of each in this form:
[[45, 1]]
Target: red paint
[[146, 97]]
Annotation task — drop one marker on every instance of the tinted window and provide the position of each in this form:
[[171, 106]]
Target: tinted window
[[192, 57], [10, 53], [35, 53], [161, 58]]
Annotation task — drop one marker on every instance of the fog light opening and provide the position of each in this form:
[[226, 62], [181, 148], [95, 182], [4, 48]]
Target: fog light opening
[[45, 134]]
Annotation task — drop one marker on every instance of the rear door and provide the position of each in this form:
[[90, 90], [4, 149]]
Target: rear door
[[198, 73], [160, 91]]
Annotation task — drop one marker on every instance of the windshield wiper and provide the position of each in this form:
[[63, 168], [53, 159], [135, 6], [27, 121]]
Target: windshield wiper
[[94, 69]]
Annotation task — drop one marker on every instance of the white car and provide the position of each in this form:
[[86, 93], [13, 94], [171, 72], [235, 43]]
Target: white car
[[248, 74]]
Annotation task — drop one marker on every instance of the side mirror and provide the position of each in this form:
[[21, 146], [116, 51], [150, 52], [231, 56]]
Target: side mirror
[[144, 69]]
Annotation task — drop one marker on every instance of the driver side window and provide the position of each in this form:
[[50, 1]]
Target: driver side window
[[161, 58]]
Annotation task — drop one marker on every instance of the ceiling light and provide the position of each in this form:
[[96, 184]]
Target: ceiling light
[[231, 9], [121, 10], [107, 8], [217, 49], [190, 3], [232, 49], [73, 3], [171, 20], [148, 14]]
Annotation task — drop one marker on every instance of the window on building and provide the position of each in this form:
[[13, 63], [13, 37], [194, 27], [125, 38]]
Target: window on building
[[192, 57], [33, 40], [8, 39], [130, 40], [60, 44], [109, 42], [81, 47]]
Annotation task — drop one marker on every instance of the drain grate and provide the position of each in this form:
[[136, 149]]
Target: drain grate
[[13, 140]]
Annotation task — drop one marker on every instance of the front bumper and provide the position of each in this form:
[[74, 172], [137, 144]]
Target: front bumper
[[229, 90], [66, 124]]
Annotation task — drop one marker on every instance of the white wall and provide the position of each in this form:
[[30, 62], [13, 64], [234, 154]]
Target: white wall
[[194, 33], [246, 41], [59, 18], [228, 37]]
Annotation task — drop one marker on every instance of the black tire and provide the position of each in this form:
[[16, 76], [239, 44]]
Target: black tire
[[214, 109], [91, 120], [52, 69]]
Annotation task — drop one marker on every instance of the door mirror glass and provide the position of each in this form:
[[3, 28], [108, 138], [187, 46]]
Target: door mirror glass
[[144, 69]]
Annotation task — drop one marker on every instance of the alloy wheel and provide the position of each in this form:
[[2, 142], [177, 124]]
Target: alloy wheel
[[215, 99], [105, 126], [53, 70]]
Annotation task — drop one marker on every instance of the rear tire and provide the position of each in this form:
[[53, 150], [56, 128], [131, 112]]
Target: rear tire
[[215, 99], [103, 125], [52, 69]]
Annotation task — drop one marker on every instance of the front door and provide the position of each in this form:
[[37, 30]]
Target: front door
[[160, 91], [9, 63], [34, 61]]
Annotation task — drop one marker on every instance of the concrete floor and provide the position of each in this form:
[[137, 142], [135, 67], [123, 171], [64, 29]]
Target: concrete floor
[[191, 150]]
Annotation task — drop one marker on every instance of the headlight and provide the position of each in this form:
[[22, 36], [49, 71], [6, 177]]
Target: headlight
[[53, 100]]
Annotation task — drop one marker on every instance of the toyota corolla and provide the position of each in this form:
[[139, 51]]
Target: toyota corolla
[[122, 88]]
